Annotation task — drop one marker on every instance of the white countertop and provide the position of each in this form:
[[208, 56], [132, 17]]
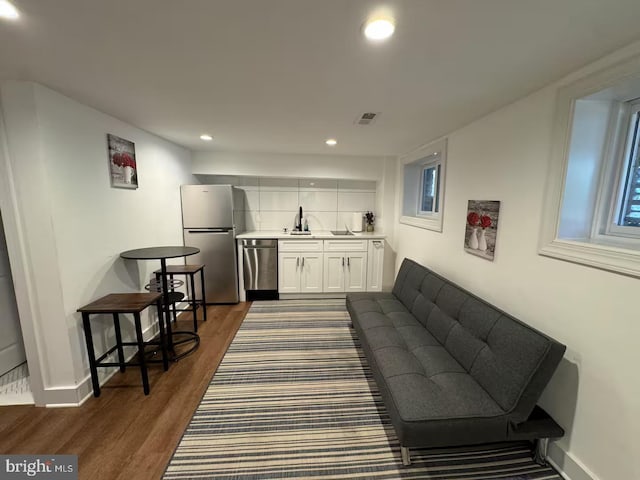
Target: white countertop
[[320, 234]]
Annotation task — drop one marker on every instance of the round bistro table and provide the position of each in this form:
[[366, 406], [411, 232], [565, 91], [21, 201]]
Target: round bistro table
[[162, 254]]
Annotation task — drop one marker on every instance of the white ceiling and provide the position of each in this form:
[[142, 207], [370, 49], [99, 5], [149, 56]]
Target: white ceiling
[[284, 75]]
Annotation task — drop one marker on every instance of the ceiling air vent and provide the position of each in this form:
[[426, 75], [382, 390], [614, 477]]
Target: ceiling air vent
[[367, 118]]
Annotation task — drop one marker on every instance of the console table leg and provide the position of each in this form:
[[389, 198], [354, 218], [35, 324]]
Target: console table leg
[[116, 324], [163, 339], [143, 362], [204, 299], [92, 355], [194, 305]]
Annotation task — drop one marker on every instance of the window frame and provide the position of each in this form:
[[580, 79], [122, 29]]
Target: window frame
[[616, 253], [436, 165], [628, 154], [410, 184]]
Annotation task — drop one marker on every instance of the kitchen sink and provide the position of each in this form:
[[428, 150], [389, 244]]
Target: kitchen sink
[[341, 232]]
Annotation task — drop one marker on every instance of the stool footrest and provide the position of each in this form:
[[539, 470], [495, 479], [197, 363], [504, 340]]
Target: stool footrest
[[106, 354]]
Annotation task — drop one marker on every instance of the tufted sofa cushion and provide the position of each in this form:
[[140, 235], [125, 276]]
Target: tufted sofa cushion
[[509, 359], [450, 367]]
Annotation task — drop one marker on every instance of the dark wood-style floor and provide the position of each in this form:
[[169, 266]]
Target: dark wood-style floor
[[123, 434]]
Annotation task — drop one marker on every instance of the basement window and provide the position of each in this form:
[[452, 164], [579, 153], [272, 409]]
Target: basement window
[[625, 218], [593, 203], [423, 181], [429, 189]]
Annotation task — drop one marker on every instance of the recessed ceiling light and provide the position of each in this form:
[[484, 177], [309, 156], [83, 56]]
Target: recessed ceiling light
[[332, 142], [7, 10], [379, 28], [206, 138]]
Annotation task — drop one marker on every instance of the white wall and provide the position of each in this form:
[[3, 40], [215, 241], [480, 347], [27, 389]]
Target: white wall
[[288, 165], [595, 392], [73, 225], [345, 167], [328, 204]]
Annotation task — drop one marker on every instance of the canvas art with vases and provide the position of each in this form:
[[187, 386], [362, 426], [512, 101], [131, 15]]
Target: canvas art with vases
[[122, 162], [482, 227]]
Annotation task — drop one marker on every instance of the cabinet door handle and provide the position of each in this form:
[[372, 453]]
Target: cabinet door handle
[[297, 261], [348, 263], [343, 261], [302, 262]]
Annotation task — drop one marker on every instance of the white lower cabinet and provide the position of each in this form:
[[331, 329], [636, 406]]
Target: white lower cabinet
[[345, 271], [375, 263], [311, 273], [300, 272], [300, 266], [288, 272], [335, 266], [334, 272], [355, 274]]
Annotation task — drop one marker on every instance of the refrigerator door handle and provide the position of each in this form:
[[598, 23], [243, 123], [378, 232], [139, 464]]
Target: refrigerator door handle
[[216, 232]]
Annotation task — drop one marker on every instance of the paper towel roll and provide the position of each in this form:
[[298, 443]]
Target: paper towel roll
[[356, 222]]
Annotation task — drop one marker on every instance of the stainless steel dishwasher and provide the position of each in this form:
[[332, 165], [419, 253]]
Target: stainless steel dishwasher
[[260, 269]]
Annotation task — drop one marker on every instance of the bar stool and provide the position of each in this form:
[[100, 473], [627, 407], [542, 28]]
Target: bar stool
[[115, 304], [172, 296], [189, 271], [175, 338]]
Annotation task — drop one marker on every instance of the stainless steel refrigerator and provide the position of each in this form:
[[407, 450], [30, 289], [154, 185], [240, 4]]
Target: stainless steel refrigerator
[[211, 216]]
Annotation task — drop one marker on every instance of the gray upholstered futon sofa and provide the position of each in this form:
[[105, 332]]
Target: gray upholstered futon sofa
[[452, 369]]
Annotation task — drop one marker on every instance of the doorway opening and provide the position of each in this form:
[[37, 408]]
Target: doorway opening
[[15, 387]]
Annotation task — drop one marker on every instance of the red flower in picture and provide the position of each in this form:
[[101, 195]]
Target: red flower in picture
[[485, 221], [127, 161], [473, 219]]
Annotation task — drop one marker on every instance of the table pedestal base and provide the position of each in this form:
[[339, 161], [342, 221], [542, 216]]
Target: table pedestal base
[[191, 337]]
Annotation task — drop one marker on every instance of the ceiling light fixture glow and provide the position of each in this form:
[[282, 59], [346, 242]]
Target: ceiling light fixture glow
[[332, 142], [379, 28], [7, 10], [206, 138]]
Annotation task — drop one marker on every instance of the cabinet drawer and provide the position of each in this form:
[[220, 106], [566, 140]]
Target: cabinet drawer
[[345, 245], [299, 245]]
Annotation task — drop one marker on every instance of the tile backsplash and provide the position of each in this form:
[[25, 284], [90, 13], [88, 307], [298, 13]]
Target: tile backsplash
[[272, 203]]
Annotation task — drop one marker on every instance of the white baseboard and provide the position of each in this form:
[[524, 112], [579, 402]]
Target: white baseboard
[[310, 296], [76, 395], [569, 467]]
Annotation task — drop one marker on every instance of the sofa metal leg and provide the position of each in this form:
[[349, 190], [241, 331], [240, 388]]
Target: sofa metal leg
[[406, 456], [540, 451]]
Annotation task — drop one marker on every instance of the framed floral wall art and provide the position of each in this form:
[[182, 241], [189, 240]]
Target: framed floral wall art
[[122, 162], [482, 228]]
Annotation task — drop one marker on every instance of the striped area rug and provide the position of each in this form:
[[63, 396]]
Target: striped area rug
[[294, 398]]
